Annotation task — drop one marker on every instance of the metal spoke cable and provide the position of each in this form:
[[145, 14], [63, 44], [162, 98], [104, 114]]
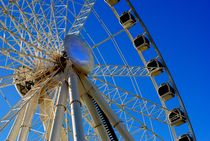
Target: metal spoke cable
[[132, 101], [119, 70], [133, 80], [23, 102], [81, 18]]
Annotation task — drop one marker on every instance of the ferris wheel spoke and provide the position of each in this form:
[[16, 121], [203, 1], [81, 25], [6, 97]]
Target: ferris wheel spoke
[[34, 62], [25, 26], [17, 108], [6, 81], [21, 57], [108, 38], [131, 102], [91, 90], [6, 51], [89, 123], [138, 128], [108, 32], [24, 100], [63, 16], [37, 21], [14, 35], [24, 55], [54, 25], [114, 70], [16, 42], [16, 59], [28, 25], [44, 14], [127, 119], [73, 7], [5, 98], [7, 41], [11, 67], [82, 17], [38, 133], [117, 48], [8, 67]]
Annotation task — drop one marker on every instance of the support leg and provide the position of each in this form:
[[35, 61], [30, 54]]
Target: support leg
[[16, 126], [26, 124], [116, 123], [47, 111], [59, 113], [47, 115], [78, 133], [98, 126]]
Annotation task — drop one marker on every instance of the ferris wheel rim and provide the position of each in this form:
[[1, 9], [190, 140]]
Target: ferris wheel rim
[[101, 67]]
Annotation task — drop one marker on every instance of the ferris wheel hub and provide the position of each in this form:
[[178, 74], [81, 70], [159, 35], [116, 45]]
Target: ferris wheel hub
[[78, 53]]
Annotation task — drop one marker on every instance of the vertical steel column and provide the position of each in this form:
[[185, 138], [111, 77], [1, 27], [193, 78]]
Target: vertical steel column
[[26, 124], [55, 133], [16, 126], [76, 115]]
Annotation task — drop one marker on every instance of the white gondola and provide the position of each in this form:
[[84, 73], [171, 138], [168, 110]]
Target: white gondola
[[154, 67], [176, 117], [166, 91], [185, 137], [111, 2], [141, 43], [127, 20]]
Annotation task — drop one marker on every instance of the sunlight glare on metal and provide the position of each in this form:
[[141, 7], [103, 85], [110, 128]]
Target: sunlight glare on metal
[[79, 54]]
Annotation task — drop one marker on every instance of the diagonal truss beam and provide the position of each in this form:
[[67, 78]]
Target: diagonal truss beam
[[22, 103], [114, 70], [132, 102], [114, 120], [18, 107], [81, 18]]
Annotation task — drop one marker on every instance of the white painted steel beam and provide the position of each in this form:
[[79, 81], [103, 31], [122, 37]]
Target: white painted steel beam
[[116, 123], [98, 126], [76, 114], [26, 121], [16, 125], [55, 133], [81, 18]]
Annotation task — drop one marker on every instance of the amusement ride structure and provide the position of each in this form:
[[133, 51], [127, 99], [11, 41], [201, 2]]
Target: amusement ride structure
[[84, 70]]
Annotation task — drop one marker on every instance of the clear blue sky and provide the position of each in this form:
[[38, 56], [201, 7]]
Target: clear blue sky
[[181, 31]]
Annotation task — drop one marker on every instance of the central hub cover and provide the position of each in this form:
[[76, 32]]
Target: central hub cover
[[79, 54]]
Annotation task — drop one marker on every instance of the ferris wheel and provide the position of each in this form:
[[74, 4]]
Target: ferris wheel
[[84, 70]]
